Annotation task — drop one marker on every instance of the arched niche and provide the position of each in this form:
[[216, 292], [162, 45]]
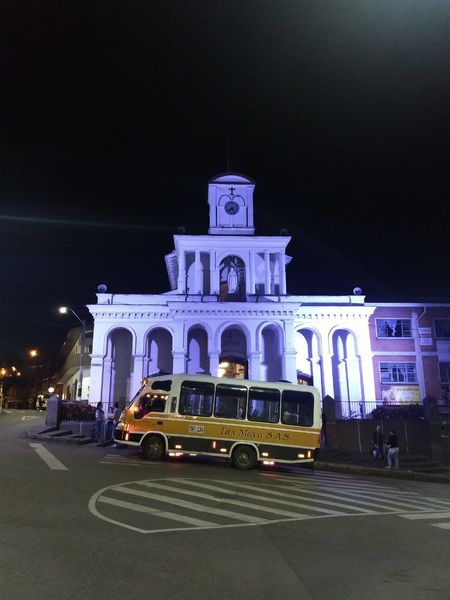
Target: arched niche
[[347, 375], [308, 363], [271, 353], [158, 351], [232, 279], [233, 353], [197, 350], [119, 351]]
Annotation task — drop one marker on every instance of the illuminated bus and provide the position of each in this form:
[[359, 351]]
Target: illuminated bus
[[238, 419]]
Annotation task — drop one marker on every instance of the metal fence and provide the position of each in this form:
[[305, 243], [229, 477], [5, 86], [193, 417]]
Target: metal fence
[[77, 410], [373, 410]]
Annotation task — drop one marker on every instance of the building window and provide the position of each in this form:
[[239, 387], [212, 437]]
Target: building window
[[442, 329], [393, 328], [444, 370], [398, 372]]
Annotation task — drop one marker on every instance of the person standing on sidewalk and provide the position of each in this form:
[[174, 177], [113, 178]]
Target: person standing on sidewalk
[[98, 425], [109, 424], [393, 450]]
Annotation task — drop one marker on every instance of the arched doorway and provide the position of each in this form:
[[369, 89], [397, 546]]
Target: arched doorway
[[233, 357]]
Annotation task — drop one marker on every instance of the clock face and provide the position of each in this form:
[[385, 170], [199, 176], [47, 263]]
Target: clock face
[[231, 207]]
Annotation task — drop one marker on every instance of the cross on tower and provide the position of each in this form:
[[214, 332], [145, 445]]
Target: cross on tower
[[232, 190]]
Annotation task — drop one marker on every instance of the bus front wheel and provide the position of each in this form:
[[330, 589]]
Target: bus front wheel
[[244, 457], [153, 448]]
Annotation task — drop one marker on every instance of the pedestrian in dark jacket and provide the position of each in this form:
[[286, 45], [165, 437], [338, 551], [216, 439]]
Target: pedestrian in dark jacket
[[98, 425], [393, 450]]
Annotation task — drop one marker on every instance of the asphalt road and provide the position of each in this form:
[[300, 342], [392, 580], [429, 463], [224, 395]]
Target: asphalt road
[[89, 522]]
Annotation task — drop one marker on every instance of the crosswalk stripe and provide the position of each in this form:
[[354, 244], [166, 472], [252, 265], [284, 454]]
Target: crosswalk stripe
[[299, 493], [277, 500], [154, 511], [282, 513], [114, 462], [441, 525], [430, 515], [361, 498], [190, 505]]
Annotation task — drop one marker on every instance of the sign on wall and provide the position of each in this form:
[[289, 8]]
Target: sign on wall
[[400, 394]]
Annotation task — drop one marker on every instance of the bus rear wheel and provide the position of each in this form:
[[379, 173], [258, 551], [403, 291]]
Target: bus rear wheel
[[244, 457], [153, 447]]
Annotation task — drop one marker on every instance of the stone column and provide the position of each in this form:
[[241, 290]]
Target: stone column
[[179, 361], [97, 375], [137, 373], [290, 367], [327, 374], [198, 274], [107, 382], [181, 273], [254, 365], [214, 363], [282, 274], [267, 275], [252, 273]]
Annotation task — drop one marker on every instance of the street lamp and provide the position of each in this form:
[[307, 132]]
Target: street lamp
[[64, 310], [3, 374]]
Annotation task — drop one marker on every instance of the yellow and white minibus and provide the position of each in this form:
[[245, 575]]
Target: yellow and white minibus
[[242, 420]]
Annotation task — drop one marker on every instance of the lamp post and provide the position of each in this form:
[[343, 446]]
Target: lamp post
[[6, 372], [64, 310]]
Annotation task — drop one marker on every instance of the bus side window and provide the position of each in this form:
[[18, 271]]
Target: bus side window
[[263, 405], [230, 401], [297, 408]]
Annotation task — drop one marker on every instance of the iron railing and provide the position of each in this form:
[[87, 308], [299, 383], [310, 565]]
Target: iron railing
[[373, 410]]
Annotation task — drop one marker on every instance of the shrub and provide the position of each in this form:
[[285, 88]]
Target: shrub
[[398, 411]]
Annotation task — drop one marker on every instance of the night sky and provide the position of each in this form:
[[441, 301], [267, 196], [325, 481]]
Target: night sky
[[114, 116]]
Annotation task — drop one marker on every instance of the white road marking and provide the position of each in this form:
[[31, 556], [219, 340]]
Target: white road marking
[[115, 459], [156, 512], [247, 505], [253, 498], [28, 418], [259, 497], [192, 506], [114, 462], [430, 515], [50, 460]]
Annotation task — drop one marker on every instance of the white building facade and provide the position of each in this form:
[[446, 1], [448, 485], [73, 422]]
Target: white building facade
[[228, 312]]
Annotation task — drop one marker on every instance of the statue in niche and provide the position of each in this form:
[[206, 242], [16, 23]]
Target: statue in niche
[[232, 279]]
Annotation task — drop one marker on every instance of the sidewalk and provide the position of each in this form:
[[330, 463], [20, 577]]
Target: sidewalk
[[418, 468]]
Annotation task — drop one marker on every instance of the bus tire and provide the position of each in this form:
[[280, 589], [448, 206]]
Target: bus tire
[[244, 457], [153, 447]]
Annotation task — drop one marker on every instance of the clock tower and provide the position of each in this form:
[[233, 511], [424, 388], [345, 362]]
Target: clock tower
[[230, 198]]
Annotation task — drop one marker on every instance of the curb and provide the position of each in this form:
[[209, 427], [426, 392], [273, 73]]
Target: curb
[[391, 473]]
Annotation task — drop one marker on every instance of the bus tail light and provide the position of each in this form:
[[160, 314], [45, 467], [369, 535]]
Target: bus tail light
[[301, 455], [268, 462]]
